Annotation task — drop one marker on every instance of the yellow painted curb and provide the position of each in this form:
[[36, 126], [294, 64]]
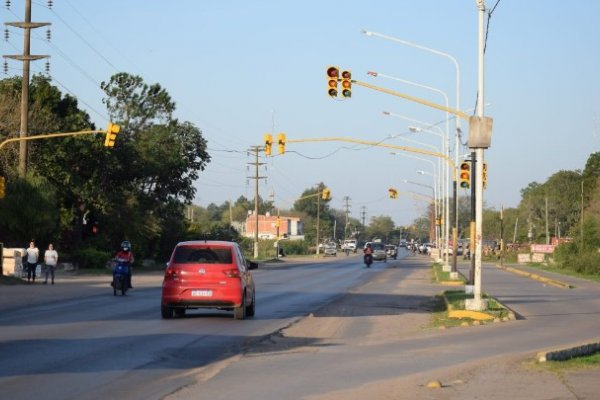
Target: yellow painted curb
[[452, 283], [476, 315], [536, 277]]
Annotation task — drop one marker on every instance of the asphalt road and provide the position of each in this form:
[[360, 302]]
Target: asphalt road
[[75, 339], [367, 327]]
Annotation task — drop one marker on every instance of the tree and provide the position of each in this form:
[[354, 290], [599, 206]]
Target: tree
[[380, 228]]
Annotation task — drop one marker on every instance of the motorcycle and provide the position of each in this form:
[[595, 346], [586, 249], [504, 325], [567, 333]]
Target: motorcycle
[[120, 274], [368, 259]]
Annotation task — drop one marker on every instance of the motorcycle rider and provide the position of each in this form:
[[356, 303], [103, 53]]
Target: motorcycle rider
[[126, 255], [368, 253]]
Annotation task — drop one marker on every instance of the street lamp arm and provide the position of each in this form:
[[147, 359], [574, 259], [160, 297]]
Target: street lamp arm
[[424, 102], [48, 136]]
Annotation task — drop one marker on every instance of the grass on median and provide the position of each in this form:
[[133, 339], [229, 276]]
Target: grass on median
[[455, 300], [591, 362]]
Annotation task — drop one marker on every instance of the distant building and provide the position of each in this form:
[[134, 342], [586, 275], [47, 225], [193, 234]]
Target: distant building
[[290, 227]]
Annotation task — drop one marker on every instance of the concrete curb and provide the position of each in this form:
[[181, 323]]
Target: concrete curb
[[536, 277], [569, 352]]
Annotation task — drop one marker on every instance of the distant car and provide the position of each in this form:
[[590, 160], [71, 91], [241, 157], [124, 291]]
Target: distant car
[[391, 251], [208, 274], [424, 248], [379, 253], [330, 249]]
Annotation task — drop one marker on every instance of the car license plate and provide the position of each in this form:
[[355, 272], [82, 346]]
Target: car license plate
[[202, 293]]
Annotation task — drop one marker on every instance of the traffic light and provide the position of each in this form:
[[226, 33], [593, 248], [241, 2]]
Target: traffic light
[[393, 193], [326, 194], [346, 84], [333, 73], [281, 142], [484, 175], [268, 144], [2, 187], [111, 134], [465, 174]]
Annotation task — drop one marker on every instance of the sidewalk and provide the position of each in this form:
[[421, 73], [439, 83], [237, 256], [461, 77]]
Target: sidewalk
[[67, 285]]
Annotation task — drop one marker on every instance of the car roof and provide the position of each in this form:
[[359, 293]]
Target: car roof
[[223, 243]]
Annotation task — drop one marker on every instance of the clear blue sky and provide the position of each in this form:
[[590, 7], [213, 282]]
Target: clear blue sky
[[240, 69]]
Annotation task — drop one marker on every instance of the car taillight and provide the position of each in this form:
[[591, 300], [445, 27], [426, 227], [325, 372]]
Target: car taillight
[[171, 274], [232, 273]]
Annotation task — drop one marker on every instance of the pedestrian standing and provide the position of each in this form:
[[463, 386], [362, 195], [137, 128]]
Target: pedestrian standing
[[50, 261], [33, 255]]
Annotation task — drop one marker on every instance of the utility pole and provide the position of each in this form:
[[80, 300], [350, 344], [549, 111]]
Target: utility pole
[[363, 217], [256, 150], [26, 57], [346, 200]]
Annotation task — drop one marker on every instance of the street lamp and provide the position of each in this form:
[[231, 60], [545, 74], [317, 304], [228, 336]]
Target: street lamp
[[432, 198], [436, 179], [457, 120], [445, 175], [435, 198]]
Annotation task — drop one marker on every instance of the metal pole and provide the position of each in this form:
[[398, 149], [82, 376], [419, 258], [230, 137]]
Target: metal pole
[[473, 216], [256, 206], [478, 303], [318, 217]]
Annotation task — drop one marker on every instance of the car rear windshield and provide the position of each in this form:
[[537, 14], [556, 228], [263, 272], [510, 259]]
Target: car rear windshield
[[204, 255], [377, 246]]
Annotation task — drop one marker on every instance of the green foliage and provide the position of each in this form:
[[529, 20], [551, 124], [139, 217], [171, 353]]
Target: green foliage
[[381, 227], [90, 258], [212, 231], [294, 247], [29, 211]]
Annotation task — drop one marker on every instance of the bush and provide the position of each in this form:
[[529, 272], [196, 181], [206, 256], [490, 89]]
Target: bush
[[295, 247], [90, 258]]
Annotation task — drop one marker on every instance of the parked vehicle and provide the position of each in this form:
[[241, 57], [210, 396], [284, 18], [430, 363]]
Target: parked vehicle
[[208, 274], [119, 282], [330, 249]]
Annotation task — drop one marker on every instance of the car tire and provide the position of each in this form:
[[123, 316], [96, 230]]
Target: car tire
[[251, 309], [240, 312], [166, 312]]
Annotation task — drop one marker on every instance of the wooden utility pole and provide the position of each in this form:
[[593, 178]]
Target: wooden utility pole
[[26, 57], [256, 150]]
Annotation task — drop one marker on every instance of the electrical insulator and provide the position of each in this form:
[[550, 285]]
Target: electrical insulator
[[6, 34], [48, 35], [7, 4], [6, 67], [50, 4], [48, 67]]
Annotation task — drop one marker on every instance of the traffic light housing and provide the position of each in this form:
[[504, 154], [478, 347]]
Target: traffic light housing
[[346, 84], [2, 187], [326, 194], [393, 193], [333, 73], [111, 134], [281, 143], [484, 175], [268, 144], [465, 174]]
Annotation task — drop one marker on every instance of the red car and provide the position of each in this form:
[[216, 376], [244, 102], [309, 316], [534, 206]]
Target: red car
[[208, 274]]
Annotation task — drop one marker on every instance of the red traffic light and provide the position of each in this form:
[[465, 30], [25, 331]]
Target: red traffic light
[[333, 72], [346, 75]]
